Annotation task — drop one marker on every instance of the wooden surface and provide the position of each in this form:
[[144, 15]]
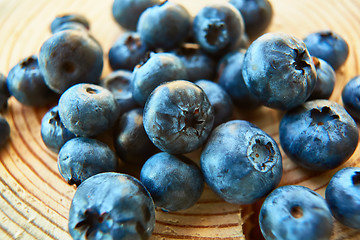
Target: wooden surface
[[34, 199]]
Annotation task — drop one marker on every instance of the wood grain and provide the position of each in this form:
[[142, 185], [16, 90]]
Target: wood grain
[[34, 199]]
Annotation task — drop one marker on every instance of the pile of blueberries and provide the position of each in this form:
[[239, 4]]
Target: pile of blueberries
[[175, 83]]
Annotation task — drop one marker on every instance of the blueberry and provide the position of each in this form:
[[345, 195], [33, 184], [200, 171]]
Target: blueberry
[[26, 83], [230, 78], [218, 28], [130, 139], [219, 99], [279, 71], [80, 158], [178, 117], [343, 196], [127, 51], [198, 64], [4, 93], [127, 12], [295, 212], [329, 46], [257, 15], [325, 82], [53, 132], [174, 182], [76, 18], [119, 83], [164, 26], [318, 135], [70, 57], [159, 68], [111, 206], [240, 162], [88, 109], [4, 131], [351, 97]]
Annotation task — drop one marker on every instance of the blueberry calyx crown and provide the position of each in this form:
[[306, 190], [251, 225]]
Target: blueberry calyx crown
[[356, 178], [296, 211], [261, 153], [32, 60], [192, 119], [299, 60], [215, 33], [91, 222], [320, 117], [132, 42]]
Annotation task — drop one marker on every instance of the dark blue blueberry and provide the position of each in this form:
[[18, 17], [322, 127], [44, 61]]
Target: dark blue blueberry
[[279, 71], [88, 109], [343, 196], [76, 18], [219, 99], [329, 46], [351, 97], [174, 182], [240, 162], [111, 206], [130, 139], [164, 26], [70, 57], [325, 82], [218, 28], [119, 83], [257, 15], [159, 68], [198, 64], [296, 213], [53, 132], [127, 51], [4, 93], [26, 83], [80, 158], [318, 135], [4, 131], [71, 26], [127, 12], [178, 117], [230, 78]]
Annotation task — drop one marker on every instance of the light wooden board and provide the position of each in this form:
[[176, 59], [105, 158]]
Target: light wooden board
[[34, 199]]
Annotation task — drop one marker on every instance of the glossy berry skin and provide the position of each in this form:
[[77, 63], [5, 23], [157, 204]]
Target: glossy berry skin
[[231, 79], [164, 26], [343, 196], [295, 212], [351, 97], [127, 51], [318, 135], [130, 139], [279, 71], [4, 131], [119, 207], [174, 182], [178, 117], [198, 64], [53, 132], [80, 158], [325, 82], [59, 21], [70, 57], [26, 83], [88, 109], [329, 46], [159, 68], [4, 93], [240, 162], [218, 28], [257, 15], [219, 100], [127, 12], [119, 83]]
